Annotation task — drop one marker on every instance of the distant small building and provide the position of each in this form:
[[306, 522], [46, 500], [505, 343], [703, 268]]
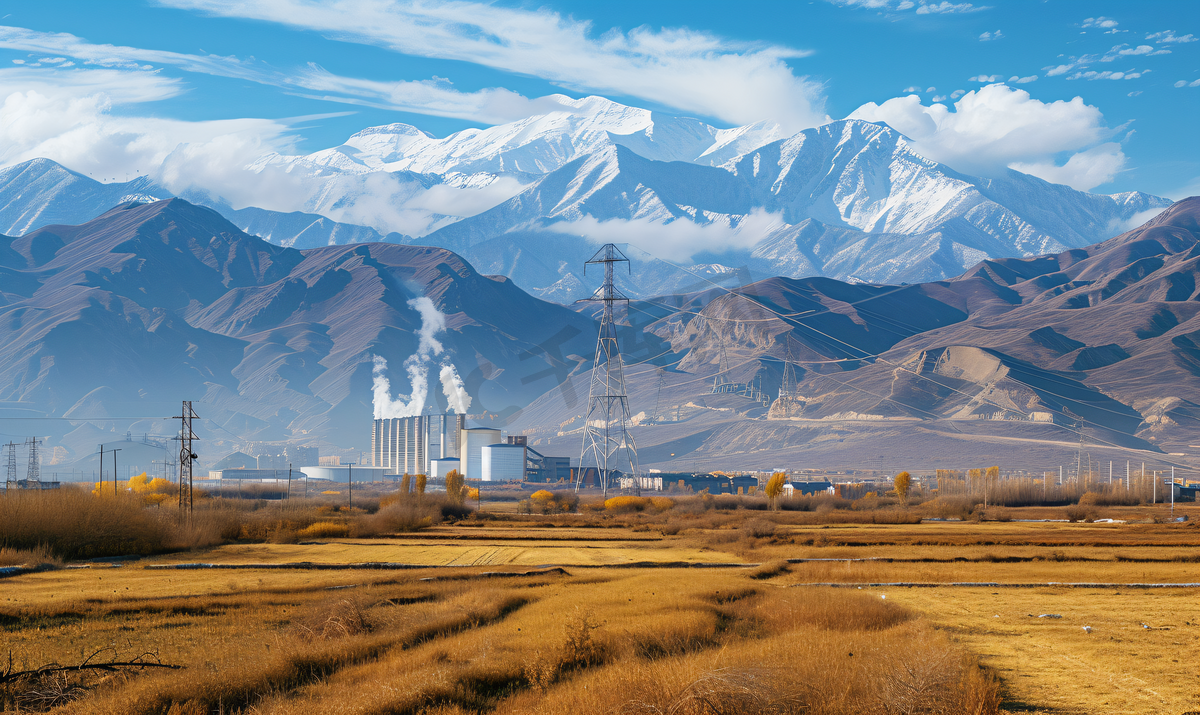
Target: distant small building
[[692, 483], [342, 473], [442, 467], [791, 489], [35, 484]]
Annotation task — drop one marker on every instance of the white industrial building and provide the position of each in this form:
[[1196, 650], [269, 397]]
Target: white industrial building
[[408, 445], [343, 473], [502, 462], [473, 441], [439, 468]]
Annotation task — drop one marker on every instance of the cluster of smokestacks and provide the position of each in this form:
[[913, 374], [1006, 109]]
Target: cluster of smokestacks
[[433, 321]]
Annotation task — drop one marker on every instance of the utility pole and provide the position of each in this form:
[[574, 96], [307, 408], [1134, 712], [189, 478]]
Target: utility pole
[[606, 426], [350, 482], [100, 476], [114, 454], [289, 491], [186, 456]]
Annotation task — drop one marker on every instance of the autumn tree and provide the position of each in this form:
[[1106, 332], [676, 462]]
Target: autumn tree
[[903, 483], [990, 478], [775, 488], [421, 479], [455, 489], [406, 483]]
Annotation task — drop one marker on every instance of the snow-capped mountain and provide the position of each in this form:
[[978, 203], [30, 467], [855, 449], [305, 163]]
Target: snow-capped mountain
[[536, 145], [41, 193], [849, 200], [531, 199]]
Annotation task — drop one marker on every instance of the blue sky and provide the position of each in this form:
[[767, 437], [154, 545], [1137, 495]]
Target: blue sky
[[192, 86]]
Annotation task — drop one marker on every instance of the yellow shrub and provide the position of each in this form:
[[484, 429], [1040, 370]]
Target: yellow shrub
[[661, 503], [542, 496], [324, 530], [626, 504]]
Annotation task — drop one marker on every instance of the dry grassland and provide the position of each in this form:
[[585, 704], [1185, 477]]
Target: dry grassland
[[612, 635]]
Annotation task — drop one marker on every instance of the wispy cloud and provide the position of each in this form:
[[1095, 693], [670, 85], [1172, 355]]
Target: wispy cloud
[[1092, 75], [1015, 79], [436, 97], [678, 240], [691, 71], [985, 78], [999, 127], [68, 116], [991, 36], [1117, 52], [1100, 22], [948, 8], [1168, 37], [1185, 83]]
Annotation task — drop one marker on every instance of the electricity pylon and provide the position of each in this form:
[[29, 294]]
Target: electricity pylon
[[607, 444], [186, 455]]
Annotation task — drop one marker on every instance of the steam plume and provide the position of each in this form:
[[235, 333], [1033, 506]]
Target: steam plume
[[457, 399], [433, 321]]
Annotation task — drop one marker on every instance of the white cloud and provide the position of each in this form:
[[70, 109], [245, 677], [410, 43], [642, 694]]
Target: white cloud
[[1101, 22], [67, 116], [678, 240], [939, 98], [908, 90], [990, 36], [1117, 52], [435, 97], [985, 78], [957, 93], [1140, 50], [998, 126], [1185, 83], [1083, 170], [948, 8], [1134, 93], [688, 70], [1168, 37], [1092, 75], [931, 89], [1022, 80]]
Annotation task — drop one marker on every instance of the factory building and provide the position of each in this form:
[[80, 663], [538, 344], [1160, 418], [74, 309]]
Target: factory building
[[473, 441], [439, 468], [408, 445], [502, 462]]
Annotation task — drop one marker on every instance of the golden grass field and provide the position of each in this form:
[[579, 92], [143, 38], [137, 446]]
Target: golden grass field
[[648, 614]]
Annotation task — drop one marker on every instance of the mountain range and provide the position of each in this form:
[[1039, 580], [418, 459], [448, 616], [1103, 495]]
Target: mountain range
[[113, 322], [109, 324], [1041, 361], [697, 204]]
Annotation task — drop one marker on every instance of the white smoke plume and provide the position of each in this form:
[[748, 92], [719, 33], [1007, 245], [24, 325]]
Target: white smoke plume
[[433, 321], [457, 399]]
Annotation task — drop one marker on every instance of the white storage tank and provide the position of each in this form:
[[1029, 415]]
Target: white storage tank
[[503, 462], [470, 456]]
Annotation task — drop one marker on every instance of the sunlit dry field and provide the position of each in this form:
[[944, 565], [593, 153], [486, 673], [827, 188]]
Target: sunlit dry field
[[740, 612]]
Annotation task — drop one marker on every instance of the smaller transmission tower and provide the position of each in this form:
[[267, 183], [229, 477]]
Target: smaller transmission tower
[[787, 388], [186, 455], [34, 474], [10, 476], [607, 443]]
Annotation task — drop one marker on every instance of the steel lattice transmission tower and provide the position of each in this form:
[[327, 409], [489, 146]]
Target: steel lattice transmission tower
[[186, 455], [34, 474], [607, 443], [10, 475]]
